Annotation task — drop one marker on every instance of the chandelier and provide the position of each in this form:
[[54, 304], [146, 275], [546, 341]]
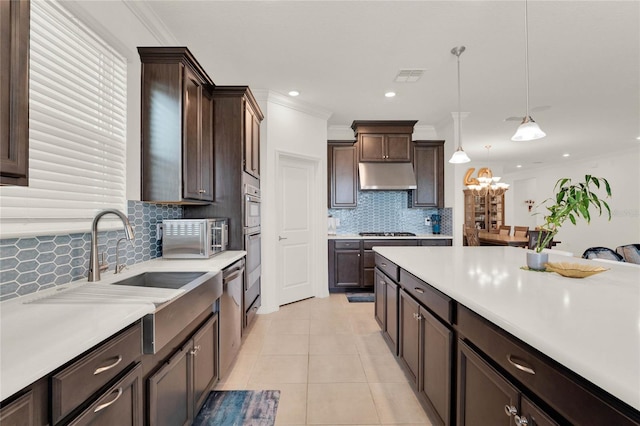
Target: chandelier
[[486, 183]]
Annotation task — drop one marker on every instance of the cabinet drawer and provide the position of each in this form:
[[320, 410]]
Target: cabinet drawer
[[388, 267], [369, 244], [77, 382], [250, 315], [570, 395], [342, 244], [434, 300], [121, 404], [435, 243]]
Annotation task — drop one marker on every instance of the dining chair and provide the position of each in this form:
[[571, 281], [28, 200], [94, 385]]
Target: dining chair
[[533, 240], [520, 231], [504, 230], [630, 253], [601, 253], [471, 235]]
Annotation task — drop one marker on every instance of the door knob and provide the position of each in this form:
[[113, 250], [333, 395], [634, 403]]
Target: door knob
[[281, 238]]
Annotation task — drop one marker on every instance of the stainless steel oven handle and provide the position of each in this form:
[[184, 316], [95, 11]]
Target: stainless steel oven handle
[[254, 236]]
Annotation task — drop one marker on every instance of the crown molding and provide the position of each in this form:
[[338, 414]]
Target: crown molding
[[152, 22], [265, 95], [425, 131], [340, 132]]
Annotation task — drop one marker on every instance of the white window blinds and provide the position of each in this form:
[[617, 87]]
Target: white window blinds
[[77, 129]]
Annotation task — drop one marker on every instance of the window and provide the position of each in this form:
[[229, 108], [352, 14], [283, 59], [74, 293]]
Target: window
[[77, 129]]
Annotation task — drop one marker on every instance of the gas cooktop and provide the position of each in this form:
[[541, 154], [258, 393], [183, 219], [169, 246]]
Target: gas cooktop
[[387, 234]]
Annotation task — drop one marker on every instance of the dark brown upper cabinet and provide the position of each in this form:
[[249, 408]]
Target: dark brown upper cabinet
[[252, 119], [14, 92], [342, 162], [177, 127], [380, 141], [428, 165]]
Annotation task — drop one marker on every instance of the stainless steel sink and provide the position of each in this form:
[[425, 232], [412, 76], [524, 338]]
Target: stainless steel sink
[[200, 292], [173, 280]]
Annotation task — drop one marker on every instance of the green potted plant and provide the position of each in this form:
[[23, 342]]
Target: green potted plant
[[571, 201]]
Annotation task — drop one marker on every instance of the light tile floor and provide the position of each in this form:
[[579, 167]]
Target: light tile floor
[[329, 361]]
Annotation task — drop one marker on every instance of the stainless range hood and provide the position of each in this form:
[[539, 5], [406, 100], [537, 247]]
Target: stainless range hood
[[386, 176]]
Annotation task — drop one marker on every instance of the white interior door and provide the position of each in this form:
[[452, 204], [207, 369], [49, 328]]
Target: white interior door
[[295, 251]]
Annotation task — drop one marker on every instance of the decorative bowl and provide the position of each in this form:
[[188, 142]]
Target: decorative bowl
[[574, 270]]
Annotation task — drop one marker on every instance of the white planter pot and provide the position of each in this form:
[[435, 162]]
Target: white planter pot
[[536, 261]]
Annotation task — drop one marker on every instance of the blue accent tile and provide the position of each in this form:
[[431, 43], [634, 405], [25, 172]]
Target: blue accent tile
[[388, 211], [47, 260]]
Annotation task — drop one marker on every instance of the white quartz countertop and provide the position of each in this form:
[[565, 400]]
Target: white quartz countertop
[[413, 237], [590, 325], [39, 333]]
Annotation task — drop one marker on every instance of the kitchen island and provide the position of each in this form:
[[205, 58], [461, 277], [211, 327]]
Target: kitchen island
[[588, 328]]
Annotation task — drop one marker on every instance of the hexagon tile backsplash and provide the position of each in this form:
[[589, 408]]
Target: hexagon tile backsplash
[[31, 264]]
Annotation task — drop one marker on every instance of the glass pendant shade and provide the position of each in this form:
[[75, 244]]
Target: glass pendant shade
[[528, 131], [459, 157]]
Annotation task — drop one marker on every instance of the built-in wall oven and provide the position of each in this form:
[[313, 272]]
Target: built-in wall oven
[[252, 241]]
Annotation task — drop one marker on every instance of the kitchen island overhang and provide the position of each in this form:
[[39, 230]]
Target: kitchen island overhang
[[590, 326]]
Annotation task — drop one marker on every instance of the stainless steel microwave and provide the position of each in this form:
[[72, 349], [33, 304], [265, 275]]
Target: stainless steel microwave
[[194, 238]]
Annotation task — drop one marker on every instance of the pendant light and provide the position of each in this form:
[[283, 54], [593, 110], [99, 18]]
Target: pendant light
[[459, 156], [528, 129]]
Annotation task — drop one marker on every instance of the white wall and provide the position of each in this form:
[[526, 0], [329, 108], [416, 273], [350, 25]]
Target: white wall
[[621, 169], [295, 128]]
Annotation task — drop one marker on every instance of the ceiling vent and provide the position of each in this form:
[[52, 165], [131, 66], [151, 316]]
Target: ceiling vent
[[409, 75]]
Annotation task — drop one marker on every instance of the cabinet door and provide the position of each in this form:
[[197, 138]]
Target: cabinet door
[[343, 175], [391, 319], [347, 268], [205, 361], [120, 405], [482, 392], [255, 147], [533, 414], [371, 147], [409, 334], [428, 164], [251, 142], [191, 136], [14, 92], [397, 147], [379, 289], [205, 162], [170, 396], [435, 371]]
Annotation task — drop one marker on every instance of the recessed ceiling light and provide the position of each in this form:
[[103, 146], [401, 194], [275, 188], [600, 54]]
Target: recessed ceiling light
[[390, 94], [566, 155], [519, 166], [638, 138], [294, 93]]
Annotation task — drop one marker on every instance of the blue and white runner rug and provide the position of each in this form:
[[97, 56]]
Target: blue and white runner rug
[[239, 408]]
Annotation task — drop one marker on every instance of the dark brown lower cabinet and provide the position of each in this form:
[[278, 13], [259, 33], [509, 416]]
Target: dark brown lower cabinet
[[386, 308], [345, 268], [170, 392], [121, 404], [409, 335], [180, 387], [205, 366], [19, 412], [485, 397], [426, 348]]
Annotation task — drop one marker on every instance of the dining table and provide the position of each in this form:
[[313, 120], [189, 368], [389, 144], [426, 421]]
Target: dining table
[[490, 239]]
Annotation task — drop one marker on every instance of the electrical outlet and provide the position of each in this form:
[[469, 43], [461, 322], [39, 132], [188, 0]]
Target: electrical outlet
[[337, 222], [427, 221]]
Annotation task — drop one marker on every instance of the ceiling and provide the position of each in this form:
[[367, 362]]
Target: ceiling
[[344, 55]]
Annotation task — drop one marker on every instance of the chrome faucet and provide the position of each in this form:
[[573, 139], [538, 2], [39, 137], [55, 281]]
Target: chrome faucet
[[94, 263]]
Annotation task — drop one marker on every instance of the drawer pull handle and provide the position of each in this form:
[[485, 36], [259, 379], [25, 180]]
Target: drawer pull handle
[[521, 421], [418, 290], [383, 264], [519, 364], [107, 404], [108, 367]]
